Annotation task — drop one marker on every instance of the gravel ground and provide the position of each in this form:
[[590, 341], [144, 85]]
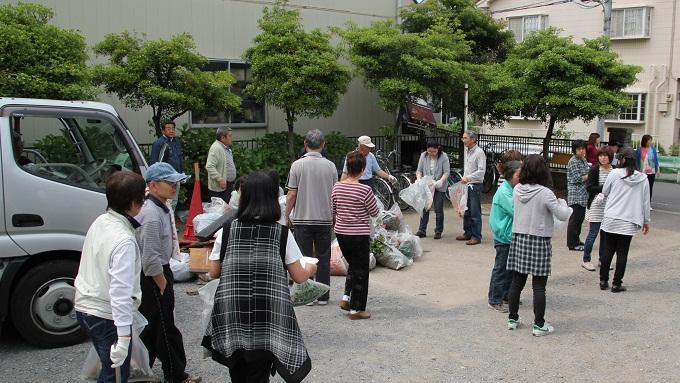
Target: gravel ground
[[431, 324]]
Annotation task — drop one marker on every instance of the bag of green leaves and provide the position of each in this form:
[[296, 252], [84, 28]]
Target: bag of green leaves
[[308, 291], [409, 245], [393, 258]]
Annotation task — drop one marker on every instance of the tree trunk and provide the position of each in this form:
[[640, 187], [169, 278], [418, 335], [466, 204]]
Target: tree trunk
[[396, 128], [157, 121], [548, 138], [290, 119]]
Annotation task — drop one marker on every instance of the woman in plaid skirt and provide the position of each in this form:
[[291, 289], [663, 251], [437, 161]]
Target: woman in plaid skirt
[[532, 228]]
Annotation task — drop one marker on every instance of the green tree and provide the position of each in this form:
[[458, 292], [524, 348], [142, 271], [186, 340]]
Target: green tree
[[295, 70], [163, 74], [555, 80], [40, 60], [403, 67]]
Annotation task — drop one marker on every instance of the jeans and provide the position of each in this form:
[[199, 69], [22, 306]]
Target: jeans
[[161, 337], [317, 239], [355, 249], [472, 220], [593, 230], [103, 334], [574, 225], [500, 278], [438, 205], [538, 284], [619, 244]]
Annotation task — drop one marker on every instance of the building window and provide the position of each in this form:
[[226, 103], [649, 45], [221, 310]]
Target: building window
[[631, 22], [634, 113], [252, 113], [523, 25]]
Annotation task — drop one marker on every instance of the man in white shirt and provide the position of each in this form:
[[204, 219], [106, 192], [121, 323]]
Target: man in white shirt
[[473, 175]]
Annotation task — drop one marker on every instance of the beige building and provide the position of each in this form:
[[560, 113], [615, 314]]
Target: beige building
[[223, 30], [643, 32]]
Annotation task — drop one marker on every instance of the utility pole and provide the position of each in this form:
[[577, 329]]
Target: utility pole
[[606, 31]]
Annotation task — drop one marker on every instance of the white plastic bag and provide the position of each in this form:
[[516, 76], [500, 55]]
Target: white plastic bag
[[393, 258], [393, 219], [458, 196], [307, 292], [202, 221], [217, 206], [409, 245], [139, 356], [207, 295], [558, 223], [371, 261], [419, 194], [180, 268]]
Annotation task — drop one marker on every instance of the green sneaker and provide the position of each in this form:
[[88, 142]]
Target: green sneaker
[[513, 324], [541, 331]]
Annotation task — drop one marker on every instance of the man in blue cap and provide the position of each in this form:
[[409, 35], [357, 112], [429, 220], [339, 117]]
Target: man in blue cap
[[155, 237]]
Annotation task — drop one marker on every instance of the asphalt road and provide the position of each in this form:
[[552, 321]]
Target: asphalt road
[[666, 205]]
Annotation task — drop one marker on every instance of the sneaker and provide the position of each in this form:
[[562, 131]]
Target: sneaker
[[513, 324], [604, 285], [618, 288], [576, 248], [321, 303], [588, 266], [421, 234], [437, 235], [541, 331], [499, 307], [359, 315]]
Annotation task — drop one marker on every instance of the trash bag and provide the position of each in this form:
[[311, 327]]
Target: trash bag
[[558, 223], [371, 261], [393, 258], [217, 205], [409, 245], [393, 219], [339, 264], [458, 196], [419, 194], [180, 268], [204, 220], [139, 356], [307, 292], [207, 295]]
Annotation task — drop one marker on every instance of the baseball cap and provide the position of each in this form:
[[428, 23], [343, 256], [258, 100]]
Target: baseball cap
[[163, 171], [366, 140]]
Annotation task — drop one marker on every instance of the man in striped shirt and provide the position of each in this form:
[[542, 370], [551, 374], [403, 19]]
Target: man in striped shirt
[[310, 182]]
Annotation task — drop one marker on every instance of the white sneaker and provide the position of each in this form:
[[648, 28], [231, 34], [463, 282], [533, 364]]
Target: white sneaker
[[541, 331], [513, 324], [321, 303], [588, 266]]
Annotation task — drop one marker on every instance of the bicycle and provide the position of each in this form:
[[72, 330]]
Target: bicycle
[[386, 193], [491, 175]]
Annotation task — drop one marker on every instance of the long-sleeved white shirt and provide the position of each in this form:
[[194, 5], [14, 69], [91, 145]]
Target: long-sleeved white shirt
[[121, 271], [474, 166]]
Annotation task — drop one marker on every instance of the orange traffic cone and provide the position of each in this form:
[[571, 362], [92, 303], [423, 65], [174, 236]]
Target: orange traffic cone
[[195, 208]]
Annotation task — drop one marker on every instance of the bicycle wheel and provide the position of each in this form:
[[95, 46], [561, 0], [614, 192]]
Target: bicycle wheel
[[490, 178], [383, 191], [402, 183], [454, 177]]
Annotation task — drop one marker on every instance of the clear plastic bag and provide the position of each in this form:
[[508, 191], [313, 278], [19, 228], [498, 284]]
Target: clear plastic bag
[[204, 220], [393, 219], [409, 245], [139, 356], [419, 194], [207, 295], [307, 292], [217, 206], [371, 261], [339, 264], [458, 196], [180, 268], [393, 258]]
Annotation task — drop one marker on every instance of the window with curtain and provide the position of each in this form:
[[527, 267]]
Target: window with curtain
[[523, 25], [631, 22]]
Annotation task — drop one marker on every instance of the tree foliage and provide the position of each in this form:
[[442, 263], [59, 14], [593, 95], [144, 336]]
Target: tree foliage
[[163, 74], [406, 66], [40, 60], [295, 70], [555, 80]]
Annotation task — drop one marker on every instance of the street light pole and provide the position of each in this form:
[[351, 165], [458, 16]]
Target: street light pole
[[606, 31]]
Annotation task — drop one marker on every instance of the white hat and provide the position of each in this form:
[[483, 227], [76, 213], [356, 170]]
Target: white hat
[[366, 140]]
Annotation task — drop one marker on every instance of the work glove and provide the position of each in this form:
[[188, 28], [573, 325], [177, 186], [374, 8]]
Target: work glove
[[438, 184], [392, 178], [119, 351]]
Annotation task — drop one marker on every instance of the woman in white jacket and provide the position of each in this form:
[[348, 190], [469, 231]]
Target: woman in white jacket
[[531, 248], [625, 213]]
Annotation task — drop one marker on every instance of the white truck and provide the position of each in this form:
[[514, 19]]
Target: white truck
[[55, 159]]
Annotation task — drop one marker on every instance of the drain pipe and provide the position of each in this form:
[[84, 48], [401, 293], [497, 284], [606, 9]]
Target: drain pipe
[[655, 127], [650, 119]]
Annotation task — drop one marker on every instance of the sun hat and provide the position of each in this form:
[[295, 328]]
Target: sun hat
[[366, 140]]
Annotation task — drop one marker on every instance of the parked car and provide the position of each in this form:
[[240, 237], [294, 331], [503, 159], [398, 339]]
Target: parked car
[[56, 157]]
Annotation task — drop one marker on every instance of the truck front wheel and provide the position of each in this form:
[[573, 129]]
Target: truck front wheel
[[42, 305]]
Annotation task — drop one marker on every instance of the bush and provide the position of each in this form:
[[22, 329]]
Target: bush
[[337, 146], [675, 150], [661, 150]]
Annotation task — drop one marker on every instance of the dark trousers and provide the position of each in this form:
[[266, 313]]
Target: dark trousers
[[574, 226], [619, 244], [315, 241], [161, 337], [355, 249], [438, 206], [651, 178], [220, 194], [249, 370], [500, 278], [593, 230], [538, 284], [472, 220], [103, 334]]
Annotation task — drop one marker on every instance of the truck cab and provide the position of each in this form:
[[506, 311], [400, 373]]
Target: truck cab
[[55, 159]]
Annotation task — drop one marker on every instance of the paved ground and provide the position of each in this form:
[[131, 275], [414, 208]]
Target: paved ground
[[431, 323]]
